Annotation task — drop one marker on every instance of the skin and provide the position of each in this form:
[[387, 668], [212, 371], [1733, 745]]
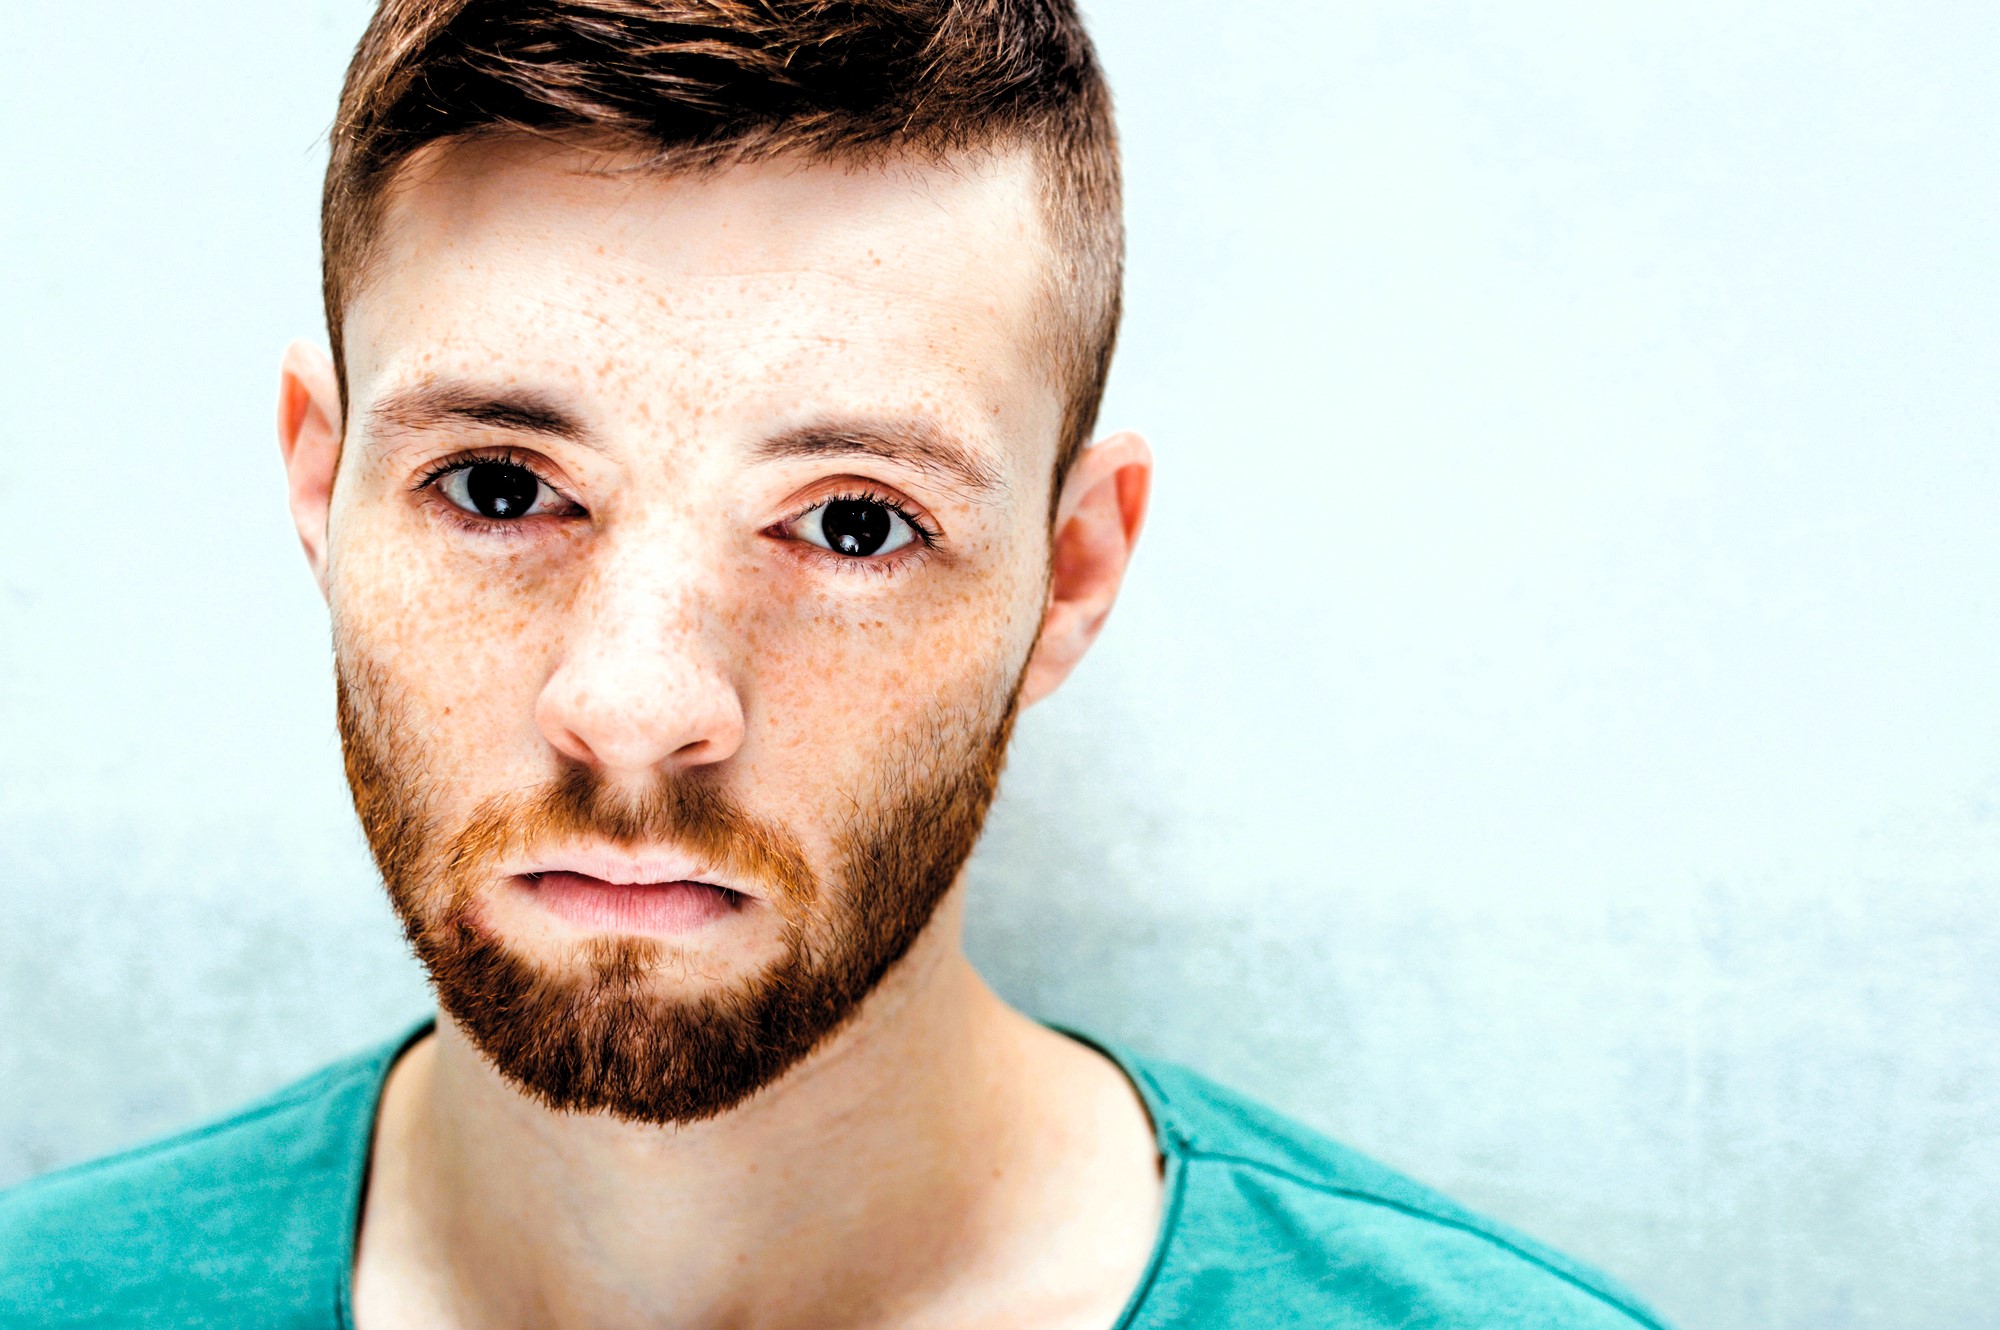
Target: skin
[[942, 1160]]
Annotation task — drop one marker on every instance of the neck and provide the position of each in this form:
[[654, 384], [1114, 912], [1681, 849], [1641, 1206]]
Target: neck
[[870, 1178]]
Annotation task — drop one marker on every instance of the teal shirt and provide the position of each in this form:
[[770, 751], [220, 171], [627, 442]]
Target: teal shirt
[[250, 1221]]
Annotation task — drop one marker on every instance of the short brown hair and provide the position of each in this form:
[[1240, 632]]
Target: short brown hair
[[698, 84]]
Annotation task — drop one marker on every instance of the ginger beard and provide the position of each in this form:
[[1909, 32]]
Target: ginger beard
[[594, 1032]]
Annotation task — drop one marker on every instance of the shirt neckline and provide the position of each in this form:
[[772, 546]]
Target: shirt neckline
[[1168, 1139]]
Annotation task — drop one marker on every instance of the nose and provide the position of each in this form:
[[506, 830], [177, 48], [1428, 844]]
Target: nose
[[644, 681]]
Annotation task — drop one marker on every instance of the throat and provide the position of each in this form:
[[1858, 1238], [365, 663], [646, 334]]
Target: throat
[[941, 1128]]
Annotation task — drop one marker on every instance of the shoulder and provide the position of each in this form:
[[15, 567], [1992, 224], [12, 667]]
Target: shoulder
[[243, 1220], [1273, 1224]]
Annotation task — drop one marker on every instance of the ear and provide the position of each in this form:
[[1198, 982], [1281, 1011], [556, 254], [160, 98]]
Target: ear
[[1098, 515], [309, 438]]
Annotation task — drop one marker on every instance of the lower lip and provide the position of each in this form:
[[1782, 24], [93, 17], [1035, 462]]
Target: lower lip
[[639, 907]]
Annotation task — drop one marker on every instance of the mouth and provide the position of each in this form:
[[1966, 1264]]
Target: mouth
[[618, 894]]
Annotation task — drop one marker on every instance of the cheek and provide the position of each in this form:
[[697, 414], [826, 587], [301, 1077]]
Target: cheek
[[835, 678], [462, 649]]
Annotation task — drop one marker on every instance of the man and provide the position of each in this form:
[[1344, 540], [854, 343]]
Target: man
[[699, 487]]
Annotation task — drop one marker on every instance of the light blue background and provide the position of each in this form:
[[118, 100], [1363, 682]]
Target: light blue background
[[1550, 739]]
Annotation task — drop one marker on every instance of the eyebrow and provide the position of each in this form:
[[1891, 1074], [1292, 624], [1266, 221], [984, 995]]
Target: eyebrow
[[444, 404], [918, 442]]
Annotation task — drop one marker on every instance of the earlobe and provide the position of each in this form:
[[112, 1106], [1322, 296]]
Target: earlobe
[[1098, 517], [309, 435]]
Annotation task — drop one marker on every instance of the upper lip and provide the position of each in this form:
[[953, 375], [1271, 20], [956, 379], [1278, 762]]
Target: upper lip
[[626, 867]]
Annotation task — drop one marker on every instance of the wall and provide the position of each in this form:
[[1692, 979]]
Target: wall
[[1550, 737]]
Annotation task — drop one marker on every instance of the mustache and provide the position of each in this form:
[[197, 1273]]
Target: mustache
[[675, 809]]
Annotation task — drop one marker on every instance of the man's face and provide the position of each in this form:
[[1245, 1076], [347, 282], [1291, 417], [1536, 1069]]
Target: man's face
[[688, 542]]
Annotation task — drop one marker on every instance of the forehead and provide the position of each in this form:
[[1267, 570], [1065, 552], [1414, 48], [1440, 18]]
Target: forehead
[[733, 302]]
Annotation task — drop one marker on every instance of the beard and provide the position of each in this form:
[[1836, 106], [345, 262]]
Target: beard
[[602, 1033]]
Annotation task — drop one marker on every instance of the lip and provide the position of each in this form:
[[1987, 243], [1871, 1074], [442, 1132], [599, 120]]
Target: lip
[[599, 889], [620, 868], [660, 908]]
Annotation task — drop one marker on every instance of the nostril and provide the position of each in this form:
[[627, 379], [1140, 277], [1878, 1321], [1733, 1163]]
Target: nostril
[[571, 745]]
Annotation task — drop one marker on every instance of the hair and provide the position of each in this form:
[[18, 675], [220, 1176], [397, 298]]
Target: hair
[[696, 85]]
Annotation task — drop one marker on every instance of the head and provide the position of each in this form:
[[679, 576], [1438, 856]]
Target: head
[[699, 487]]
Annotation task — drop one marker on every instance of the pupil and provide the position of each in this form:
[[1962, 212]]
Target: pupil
[[500, 490], [855, 526]]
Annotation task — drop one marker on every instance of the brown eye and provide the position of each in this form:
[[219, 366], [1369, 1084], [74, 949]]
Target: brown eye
[[857, 528], [497, 491]]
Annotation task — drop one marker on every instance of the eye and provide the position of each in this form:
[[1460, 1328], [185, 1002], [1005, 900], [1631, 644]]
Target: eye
[[499, 491], [857, 528]]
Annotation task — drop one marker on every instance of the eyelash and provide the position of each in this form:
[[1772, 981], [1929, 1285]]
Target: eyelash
[[466, 461], [472, 522], [928, 537]]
